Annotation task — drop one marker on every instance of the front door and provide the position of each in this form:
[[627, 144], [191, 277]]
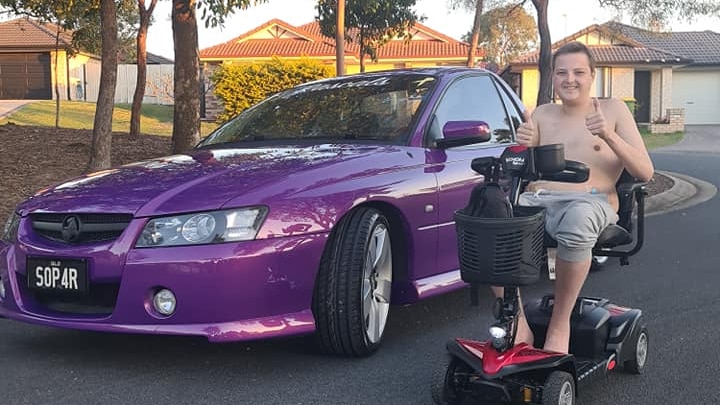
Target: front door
[[642, 96]]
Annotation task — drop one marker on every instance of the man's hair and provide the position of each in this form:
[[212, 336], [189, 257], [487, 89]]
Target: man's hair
[[574, 47]]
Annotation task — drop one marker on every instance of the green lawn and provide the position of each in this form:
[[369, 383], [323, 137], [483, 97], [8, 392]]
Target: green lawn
[[653, 141], [155, 119]]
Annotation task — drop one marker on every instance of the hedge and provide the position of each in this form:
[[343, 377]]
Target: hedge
[[240, 86]]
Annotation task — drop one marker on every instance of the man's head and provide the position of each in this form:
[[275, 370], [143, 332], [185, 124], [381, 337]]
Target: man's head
[[573, 72]]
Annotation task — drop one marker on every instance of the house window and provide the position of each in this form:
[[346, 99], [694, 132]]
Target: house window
[[603, 82]]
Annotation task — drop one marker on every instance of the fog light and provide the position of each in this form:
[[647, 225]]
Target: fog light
[[497, 332], [164, 302]]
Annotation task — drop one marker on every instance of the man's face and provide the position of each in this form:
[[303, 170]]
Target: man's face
[[572, 77]]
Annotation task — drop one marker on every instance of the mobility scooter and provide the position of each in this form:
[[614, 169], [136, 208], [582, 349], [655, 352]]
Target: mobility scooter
[[505, 245]]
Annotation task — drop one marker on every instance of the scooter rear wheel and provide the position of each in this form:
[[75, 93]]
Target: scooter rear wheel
[[636, 365], [445, 390], [559, 389]]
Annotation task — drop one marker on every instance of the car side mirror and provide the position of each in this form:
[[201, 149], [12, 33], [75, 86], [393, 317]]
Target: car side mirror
[[460, 133]]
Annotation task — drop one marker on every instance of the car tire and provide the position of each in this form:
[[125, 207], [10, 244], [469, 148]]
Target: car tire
[[559, 389], [444, 388], [353, 286], [639, 345]]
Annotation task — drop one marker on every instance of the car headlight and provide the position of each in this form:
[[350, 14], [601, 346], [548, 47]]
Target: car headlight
[[11, 228], [203, 228]]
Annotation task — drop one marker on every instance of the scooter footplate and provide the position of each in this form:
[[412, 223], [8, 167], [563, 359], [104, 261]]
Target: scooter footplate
[[586, 368]]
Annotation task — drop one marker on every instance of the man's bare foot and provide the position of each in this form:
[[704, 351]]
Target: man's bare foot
[[557, 342], [524, 333]]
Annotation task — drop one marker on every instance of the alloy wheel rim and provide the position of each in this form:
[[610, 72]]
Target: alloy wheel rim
[[377, 283], [566, 394], [641, 350]]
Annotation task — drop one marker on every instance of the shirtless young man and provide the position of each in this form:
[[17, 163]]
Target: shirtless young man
[[603, 135]]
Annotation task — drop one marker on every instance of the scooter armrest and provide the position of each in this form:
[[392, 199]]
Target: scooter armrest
[[574, 172]]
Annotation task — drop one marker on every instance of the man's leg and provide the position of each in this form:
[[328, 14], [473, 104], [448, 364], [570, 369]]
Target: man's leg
[[524, 333], [570, 277]]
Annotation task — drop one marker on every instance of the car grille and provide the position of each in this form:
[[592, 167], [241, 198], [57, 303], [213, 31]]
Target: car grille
[[91, 228]]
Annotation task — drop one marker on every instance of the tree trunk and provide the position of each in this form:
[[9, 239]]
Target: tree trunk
[[362, 51], [145, 15], [340, 39], [102, 127], [545, 60], [55, 72], [475, 33], [186, 118]]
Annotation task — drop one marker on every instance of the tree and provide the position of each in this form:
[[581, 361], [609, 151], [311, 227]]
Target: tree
[[340, 39], [186, 113], [507, 32], [369, 23], [87, 36], [476, 6], [647, 13], [102, 125], [545, 57], [145, 18]]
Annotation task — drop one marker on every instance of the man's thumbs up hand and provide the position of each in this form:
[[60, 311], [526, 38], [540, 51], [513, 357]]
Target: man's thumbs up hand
[[526, 134], [595, 121]]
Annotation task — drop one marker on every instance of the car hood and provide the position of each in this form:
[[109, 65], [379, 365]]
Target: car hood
[[207, 179]]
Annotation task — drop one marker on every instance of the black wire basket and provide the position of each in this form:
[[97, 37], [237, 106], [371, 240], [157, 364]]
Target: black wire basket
[[502, 251]]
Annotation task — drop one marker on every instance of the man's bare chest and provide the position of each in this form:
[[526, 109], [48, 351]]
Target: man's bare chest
[[579, 143]]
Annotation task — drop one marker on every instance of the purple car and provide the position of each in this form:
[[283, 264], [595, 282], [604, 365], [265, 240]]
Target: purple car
[[310, 212]]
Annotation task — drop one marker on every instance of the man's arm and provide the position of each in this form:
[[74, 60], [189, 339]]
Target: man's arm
[[624, 139]]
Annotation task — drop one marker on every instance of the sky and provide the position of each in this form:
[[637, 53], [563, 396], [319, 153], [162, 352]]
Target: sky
[[565, 17]]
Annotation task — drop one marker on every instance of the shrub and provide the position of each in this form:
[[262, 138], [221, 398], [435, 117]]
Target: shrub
[[243, 85]]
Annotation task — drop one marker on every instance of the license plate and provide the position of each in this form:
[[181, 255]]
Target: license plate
[[61, 275]]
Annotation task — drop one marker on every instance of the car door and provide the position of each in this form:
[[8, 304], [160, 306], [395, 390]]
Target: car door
[[475, 97]]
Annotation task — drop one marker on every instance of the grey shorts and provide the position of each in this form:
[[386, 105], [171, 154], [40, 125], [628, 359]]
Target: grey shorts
[[573, 219]]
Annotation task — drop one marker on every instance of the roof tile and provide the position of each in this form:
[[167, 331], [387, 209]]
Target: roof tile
[[29, 33], [703, 47], [619, 54], [311, 42]]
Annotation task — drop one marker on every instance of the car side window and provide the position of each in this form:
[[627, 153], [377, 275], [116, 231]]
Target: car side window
[[473, 98], [512, 108]]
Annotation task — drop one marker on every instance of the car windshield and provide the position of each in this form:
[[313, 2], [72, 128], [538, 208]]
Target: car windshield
[[375, 107]]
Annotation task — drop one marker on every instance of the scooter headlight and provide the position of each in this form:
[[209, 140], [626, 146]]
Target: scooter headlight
[[498, 332]]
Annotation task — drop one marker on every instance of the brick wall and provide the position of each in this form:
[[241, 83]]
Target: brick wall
[[623, 82], [676, 118]]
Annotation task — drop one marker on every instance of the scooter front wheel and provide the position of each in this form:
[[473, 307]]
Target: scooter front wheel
[[559, 389], [446, 382]]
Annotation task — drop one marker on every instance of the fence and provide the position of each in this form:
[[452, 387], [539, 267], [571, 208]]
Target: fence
[[158, 88]]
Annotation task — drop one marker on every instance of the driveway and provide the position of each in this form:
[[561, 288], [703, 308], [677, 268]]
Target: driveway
[[7, 107], [698, 138]]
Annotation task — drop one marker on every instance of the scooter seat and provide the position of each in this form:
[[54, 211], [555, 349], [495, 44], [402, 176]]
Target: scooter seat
[[613, 235]]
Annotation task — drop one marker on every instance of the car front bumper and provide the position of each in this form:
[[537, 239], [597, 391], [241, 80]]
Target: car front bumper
[[225, 292]]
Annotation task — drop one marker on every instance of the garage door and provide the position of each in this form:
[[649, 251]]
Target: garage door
[[25, 76], [699, 94]]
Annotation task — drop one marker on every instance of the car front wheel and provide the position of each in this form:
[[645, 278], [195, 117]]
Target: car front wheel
[[353, 286]]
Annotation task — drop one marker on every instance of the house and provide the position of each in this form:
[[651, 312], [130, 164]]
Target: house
[[28, 57], [277, 38], [667, 73]]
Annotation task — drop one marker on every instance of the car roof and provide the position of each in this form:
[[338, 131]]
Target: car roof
[[439, 71]]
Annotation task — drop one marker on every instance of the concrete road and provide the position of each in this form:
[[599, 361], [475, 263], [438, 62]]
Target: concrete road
[[674, 279]]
